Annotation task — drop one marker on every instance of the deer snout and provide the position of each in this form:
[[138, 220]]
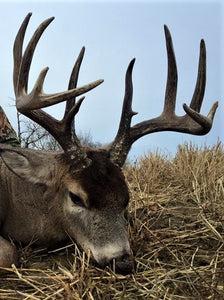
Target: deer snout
[[124, 265], [114, 255]]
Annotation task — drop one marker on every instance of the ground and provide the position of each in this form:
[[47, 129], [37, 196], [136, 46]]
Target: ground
[[176, 229]]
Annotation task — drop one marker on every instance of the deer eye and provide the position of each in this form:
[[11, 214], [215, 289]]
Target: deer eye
[[76, 199]]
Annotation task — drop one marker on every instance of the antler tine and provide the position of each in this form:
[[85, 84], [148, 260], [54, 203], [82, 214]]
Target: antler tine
[[37, 99], [192, 122], [73, 84], [201, 80], [17, 51], [205, 122], [122, 136], [196, 102], [75, 71], [26, 59], [127, 112], [172, 77]]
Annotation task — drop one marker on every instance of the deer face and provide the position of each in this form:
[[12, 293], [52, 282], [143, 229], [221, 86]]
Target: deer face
[[97, 198], [88, 204]]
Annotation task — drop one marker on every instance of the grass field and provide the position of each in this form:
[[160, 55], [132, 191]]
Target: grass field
[[176, 231]]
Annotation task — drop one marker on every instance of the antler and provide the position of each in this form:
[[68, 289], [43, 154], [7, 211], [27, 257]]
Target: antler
[[30, 104], [192, 122]]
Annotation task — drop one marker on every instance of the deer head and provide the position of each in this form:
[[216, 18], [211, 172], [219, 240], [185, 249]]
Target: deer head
[[85, 187]]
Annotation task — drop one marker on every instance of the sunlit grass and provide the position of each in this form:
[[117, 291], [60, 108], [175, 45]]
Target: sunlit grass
[[176, 231]]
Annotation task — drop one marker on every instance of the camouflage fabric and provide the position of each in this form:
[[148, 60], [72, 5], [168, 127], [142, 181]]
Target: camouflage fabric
[[7, 133]]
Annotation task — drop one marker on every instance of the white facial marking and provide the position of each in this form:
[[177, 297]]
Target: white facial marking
[[109, 251]]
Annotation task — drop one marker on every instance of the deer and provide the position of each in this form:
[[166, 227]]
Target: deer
[[80, 192]]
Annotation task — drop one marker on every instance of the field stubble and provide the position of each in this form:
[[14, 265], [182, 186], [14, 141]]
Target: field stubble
[[176, 229]]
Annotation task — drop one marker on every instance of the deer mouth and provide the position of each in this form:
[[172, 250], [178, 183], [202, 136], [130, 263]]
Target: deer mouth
[[121, 264]]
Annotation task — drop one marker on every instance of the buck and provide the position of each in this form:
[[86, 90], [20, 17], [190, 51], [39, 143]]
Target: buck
[[79, 192]]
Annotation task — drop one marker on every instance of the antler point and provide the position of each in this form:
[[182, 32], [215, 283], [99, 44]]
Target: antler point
[[167, 31], [134, 113], [202, 43]]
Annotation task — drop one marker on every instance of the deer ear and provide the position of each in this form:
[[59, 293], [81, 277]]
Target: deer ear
[[26, 165]]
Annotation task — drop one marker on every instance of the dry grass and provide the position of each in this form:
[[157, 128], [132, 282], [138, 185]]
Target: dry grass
[[176, 231]]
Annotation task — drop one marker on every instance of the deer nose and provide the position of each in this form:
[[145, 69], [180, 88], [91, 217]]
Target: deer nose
[[124, 265]]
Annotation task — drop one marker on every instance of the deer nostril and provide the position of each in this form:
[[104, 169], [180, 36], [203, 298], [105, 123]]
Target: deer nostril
[[124, 265]]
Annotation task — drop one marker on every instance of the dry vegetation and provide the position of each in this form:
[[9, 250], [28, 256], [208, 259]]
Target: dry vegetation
[[176, 231]]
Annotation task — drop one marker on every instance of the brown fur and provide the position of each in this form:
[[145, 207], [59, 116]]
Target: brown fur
[[35, 202], [108, 179]]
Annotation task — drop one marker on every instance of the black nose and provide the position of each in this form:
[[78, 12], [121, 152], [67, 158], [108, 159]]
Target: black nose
[[124, 265]]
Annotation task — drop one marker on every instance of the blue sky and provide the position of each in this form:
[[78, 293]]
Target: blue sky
[[114, 32]]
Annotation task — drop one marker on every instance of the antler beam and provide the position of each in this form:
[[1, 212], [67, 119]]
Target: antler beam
[[192, 122], [31, 104]]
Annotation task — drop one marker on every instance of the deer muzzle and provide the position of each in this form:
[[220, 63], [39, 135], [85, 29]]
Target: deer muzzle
[[118, 257]]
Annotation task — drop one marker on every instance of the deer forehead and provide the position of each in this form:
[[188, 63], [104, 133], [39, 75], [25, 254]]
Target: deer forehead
[[102, 184], [105, 189]]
